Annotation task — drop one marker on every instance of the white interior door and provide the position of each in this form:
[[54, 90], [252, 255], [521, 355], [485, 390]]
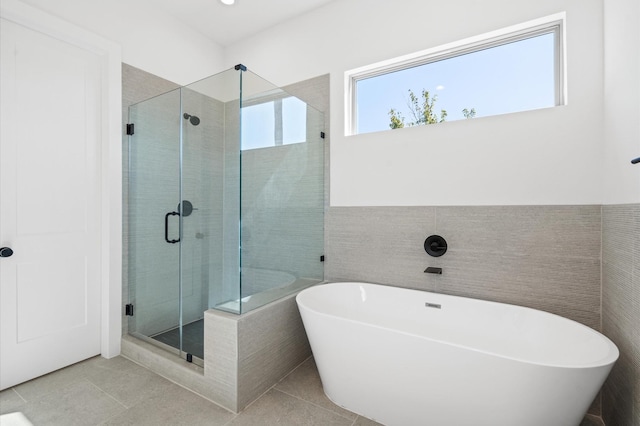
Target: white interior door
[[49, 204]]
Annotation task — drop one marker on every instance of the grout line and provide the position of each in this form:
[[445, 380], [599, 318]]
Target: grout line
[[275, 384], [235, 415], [112, 417], [258, 398], [20, 396], [291, 372], [108, 369], [435, 219], [318, 406], [106, 393], [601, 267], [595, 418]]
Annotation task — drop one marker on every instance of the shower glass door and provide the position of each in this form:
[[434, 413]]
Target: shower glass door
[[184, 248], [153, 222]]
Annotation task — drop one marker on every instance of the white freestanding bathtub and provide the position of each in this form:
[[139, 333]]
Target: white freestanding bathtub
[[407, 357]]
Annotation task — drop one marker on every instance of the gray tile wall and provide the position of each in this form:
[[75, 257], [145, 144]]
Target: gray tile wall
[[221, 357], [621, 311], [271, 343], [543, 257], [247, 354]]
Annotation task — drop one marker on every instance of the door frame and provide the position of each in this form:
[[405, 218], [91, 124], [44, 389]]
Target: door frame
[[110, 152]]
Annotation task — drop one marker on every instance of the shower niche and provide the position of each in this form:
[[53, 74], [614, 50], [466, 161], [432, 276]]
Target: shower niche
[[225, 205]]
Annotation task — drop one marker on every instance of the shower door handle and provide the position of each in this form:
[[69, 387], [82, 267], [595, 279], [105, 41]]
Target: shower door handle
[[166, 227]]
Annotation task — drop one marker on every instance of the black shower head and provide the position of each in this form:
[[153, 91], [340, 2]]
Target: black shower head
[[192, 119]]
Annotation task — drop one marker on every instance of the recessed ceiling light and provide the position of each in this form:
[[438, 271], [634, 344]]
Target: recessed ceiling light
[[228, 2]]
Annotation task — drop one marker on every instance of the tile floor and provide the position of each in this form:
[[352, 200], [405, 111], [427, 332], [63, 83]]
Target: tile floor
[[119, 392]]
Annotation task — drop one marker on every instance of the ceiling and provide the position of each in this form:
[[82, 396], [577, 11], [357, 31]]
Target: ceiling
[[223, 24], [229, 24]]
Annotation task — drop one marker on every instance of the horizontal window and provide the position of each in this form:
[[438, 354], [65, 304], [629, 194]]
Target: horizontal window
[[517, 70]]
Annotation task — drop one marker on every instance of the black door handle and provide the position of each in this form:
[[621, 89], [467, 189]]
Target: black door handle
[[166, 227], [635, 160], [6, 252]]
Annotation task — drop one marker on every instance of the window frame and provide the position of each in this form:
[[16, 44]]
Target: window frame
[[553, 24]]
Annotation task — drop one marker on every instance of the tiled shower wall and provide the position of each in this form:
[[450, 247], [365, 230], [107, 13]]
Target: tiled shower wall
[[621, 311]]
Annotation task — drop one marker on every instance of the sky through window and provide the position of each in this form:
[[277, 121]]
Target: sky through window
[[512, 77]]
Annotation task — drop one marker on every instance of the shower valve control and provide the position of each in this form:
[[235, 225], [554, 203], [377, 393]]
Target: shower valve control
[[435, 245], [6, 252]]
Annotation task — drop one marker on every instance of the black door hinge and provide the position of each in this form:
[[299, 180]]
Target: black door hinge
[[322, 135], [130, 129], [322, 258], [128, 310]]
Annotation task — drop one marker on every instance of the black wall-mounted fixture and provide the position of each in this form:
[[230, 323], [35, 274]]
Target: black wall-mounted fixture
[[635, 160], [432, 270], [187, 208], [192, 119], [435, 245]]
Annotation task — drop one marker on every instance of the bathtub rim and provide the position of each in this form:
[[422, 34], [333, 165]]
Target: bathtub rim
[[608, 361]]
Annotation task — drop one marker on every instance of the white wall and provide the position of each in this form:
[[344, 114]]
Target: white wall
[[150, 39], [551, 156], [622, 101]]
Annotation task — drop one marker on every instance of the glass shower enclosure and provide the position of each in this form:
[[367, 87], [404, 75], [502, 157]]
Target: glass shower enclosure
[[225, 207]]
